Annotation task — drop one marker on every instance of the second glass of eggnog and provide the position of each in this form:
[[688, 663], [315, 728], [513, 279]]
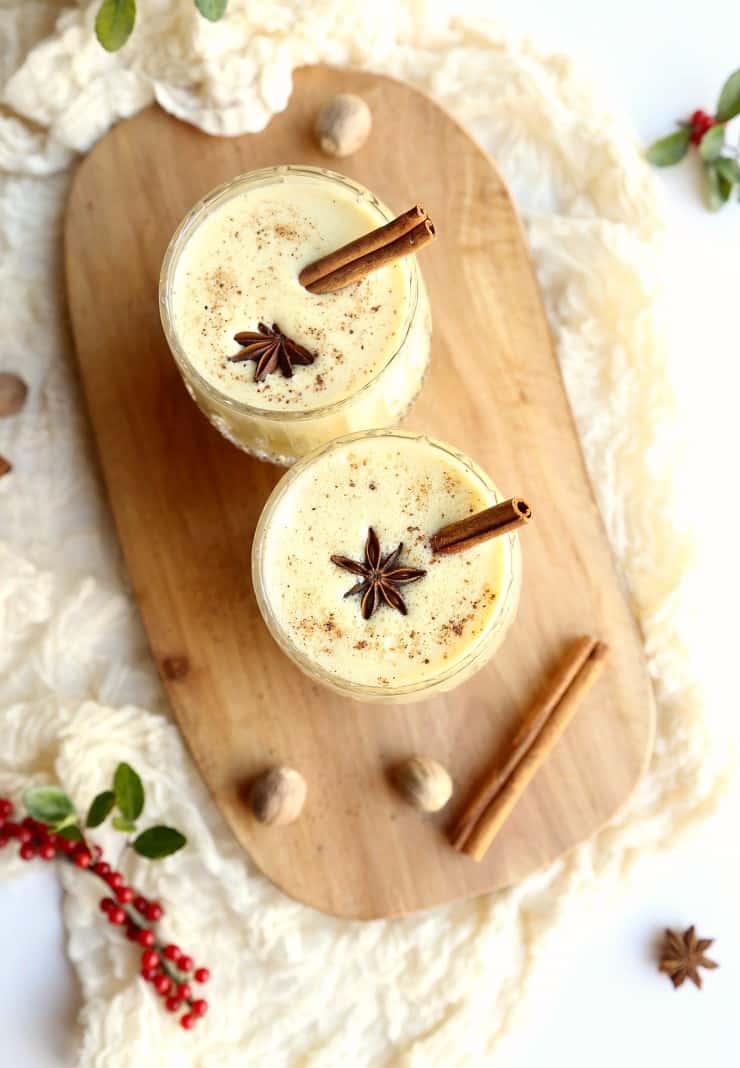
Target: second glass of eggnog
[[232, 268], [373, 501]]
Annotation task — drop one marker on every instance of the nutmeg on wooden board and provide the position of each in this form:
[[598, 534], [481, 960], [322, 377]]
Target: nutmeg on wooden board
[[13, 393], [277, 797], [343, 124], [423, 783]]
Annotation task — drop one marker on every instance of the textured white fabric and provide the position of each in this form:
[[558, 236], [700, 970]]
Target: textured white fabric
[[292, 987]]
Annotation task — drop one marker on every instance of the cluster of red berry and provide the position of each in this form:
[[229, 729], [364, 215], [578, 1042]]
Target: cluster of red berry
[[166, 967], [36, 840], [701, 121]]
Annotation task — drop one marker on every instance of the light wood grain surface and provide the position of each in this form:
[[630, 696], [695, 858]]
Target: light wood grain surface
[[186, 504]]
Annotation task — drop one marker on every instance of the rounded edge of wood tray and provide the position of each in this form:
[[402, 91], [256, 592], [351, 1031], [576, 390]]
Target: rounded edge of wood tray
[[228, 798]]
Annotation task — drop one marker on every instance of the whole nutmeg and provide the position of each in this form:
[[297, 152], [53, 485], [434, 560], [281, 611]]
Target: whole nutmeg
[[278, 796], [343, 124], [423, 782], [13, 393]]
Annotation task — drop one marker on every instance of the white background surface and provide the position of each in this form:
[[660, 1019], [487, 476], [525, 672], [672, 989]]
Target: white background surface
[[597, 998]]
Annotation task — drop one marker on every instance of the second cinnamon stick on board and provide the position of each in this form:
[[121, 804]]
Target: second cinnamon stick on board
[[497, 793]]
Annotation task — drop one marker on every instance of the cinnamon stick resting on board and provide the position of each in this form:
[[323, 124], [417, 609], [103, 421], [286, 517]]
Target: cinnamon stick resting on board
[[498, 792]]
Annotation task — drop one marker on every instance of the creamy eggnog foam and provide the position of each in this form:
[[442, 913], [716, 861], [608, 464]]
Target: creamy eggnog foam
[[241, 267], [235, 263], [406, 487]]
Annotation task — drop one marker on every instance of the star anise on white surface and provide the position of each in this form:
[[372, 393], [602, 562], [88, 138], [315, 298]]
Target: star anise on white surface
[[683, 955]]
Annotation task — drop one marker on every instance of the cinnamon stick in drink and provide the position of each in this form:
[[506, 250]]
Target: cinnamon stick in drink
[[473, 529], [400, 237]]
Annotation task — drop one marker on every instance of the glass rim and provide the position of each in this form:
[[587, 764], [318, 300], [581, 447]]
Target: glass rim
[[334, 679], [221, 194]]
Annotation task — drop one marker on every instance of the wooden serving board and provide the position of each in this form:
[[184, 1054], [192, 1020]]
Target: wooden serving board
[[186, 504]]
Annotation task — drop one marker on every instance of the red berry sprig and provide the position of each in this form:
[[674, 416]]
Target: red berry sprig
[[720, 160], [700, 123], [163, 965]]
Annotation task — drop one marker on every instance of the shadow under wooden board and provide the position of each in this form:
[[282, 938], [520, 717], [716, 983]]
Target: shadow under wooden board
[[186, 504]]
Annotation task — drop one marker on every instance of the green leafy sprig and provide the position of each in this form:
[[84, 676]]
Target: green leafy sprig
[[52, 830], [115, 20], [720, 160], [50, 805]]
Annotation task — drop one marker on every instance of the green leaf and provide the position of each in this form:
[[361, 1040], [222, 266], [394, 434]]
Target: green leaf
[[712, 142], [716, 189], [211, 9], [114, 23], [157, 842], [73, 833], [729, 169], [670, 149], [123, 825], [100, 808], [49, 804], [729, 99], [725, 187], [129, 792]]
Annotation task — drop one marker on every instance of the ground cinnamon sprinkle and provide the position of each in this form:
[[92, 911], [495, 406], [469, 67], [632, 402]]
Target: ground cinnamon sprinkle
[[288, 232]]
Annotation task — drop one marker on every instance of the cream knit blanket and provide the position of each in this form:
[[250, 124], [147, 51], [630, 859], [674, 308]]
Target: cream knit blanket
[[292, 987]]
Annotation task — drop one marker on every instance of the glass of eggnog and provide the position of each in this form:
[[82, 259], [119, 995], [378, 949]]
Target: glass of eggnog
[[278, 369], [348, 582]]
